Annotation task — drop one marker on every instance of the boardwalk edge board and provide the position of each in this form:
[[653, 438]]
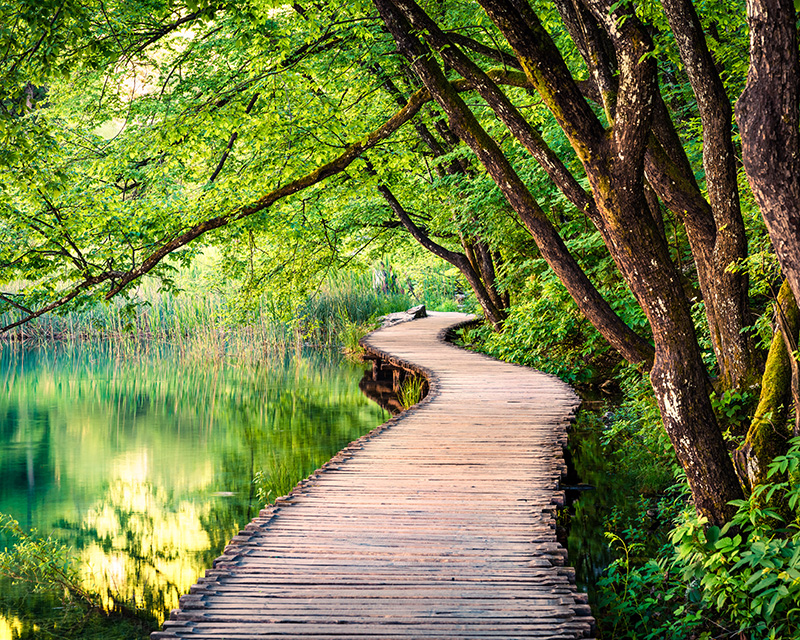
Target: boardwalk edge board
[[235, 598]]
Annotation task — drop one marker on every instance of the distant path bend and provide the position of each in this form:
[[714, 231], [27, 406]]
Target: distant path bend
[[440, 524]]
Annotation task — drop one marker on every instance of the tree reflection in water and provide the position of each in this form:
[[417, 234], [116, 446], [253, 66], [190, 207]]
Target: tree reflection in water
[[143, 459]]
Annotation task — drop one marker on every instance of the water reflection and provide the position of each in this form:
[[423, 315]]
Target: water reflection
[[592, 490], [143, 461]]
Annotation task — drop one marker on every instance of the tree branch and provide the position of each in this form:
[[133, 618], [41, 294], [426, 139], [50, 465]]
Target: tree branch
[[4, 297], [232, 140], [123, 278]]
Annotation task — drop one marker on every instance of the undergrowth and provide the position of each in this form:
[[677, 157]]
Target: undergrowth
[[670, 575], [741, 580]]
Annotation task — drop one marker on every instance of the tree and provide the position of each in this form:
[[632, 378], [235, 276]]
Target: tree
[[767, 113], [614, 164], [243, 95]]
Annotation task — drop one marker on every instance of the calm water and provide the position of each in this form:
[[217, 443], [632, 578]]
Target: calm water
[[144, 461]]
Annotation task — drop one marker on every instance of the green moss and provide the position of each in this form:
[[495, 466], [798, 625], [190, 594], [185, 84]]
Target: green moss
[[768, 434]]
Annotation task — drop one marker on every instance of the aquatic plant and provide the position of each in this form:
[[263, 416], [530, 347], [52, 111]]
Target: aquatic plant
[[411, 391], [340, 312]]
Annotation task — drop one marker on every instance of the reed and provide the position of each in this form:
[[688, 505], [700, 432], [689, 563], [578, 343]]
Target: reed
[[184, 320], [346, 307], [411, 391], [343, 309]]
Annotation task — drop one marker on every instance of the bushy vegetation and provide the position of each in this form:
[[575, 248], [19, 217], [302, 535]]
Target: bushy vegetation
[[411, 391], [709, 582], [59, 604], [668, 573]]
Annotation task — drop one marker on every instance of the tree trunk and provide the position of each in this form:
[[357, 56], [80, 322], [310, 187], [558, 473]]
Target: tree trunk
[[463, 123], [767, 113], [678, 376], [488, 274], [494, 314], [716, 233], [505, 110], [733, 346], [614, 165], [768, 434], [595, 49]]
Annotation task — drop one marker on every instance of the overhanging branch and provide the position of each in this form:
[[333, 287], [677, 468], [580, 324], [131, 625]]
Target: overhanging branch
[[121, 279]]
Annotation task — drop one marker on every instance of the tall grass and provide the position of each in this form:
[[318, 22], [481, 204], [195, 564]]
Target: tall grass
[[411, 391], [345, 307], [197, 326]]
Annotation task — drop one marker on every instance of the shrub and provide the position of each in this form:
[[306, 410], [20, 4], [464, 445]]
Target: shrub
[[709, 582]]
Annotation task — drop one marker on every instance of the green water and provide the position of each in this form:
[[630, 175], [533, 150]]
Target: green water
[[143, 458]]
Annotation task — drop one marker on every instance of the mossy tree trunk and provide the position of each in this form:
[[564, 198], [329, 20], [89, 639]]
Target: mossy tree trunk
[[769, 433], [614, 163]]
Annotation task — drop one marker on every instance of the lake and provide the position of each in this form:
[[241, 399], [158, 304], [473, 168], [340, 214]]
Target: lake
[[147, 458]]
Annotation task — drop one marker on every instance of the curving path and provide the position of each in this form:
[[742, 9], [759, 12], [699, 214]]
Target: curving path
[[441, 527]]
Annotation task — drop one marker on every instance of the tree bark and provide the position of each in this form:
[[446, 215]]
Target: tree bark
[[735, 353], [595, 50], [488, 274], [463, 123], [716, 233], [767, 113], [505, 110], [614, 163]]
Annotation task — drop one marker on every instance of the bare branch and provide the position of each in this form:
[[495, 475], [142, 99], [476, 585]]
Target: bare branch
[[4, 297], [86, 284]]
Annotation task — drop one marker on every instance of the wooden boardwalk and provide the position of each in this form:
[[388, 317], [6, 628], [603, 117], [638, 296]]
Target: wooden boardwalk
[[438, 524]]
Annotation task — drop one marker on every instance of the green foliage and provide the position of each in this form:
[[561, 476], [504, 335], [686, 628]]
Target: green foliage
[[644, 602], [734, 409], [749, 570], [274, 480], [102, 175], [743, 578], [411, 391], [350, 334], [546, 332], [42, 564], [339, 313], [634, 429], [347, 306]]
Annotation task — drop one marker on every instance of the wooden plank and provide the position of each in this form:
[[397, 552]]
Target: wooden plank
[[438, 524]]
